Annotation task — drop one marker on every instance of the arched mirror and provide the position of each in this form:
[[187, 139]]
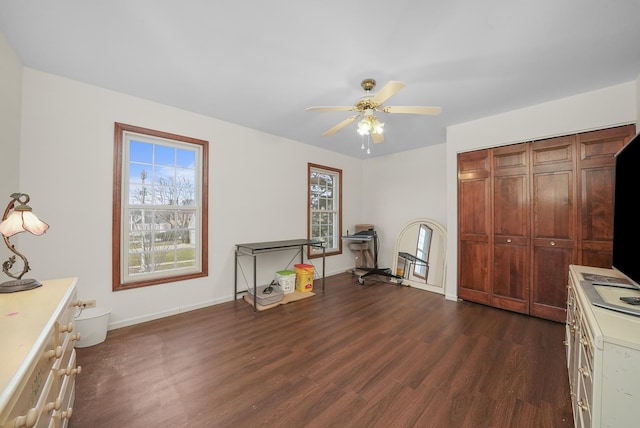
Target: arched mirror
[[420, 255]]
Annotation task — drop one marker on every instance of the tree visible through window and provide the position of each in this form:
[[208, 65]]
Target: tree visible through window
[[325, 208], [160, 207]]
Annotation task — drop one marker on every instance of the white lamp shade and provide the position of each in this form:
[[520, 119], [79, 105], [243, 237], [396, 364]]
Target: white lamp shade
[[21, 221]]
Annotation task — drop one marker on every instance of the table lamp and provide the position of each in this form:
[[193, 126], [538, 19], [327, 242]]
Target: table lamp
[[19, 218]]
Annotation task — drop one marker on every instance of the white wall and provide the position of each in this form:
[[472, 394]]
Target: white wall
[[400, 188], [612, 106], [257, 192], [10, 105]]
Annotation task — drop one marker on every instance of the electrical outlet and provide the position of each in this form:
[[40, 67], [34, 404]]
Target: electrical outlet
[[88, 303]]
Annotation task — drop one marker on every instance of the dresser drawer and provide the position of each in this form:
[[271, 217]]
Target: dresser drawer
[[65, 324], [585, 374], [35, 415], [584, 406], [65, 397], [33, 388]]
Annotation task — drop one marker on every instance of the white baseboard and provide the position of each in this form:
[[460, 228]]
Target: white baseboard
[[169, 312], [181, 309]]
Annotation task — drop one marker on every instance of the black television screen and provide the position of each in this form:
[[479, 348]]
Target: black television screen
[[626, 216]]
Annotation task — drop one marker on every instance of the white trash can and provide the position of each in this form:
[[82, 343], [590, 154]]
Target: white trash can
[[92, 325]]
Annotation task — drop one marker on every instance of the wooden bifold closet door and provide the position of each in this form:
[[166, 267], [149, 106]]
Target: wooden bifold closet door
[[527, 211]]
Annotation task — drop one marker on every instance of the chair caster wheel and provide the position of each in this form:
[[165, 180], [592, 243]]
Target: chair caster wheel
[[360, 281]]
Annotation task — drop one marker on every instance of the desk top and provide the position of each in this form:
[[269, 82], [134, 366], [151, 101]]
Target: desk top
[[273, 245]]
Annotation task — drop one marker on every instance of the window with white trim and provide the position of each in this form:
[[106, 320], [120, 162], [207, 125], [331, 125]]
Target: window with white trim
[[325, 208], [160, 207]]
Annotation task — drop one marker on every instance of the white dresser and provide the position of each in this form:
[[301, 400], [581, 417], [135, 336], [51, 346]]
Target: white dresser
[[38, 369], [603, 356]]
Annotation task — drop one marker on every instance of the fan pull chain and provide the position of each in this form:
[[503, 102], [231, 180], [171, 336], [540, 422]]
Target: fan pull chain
[[368, 144]]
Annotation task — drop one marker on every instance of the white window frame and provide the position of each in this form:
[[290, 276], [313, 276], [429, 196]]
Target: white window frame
[[125, 203], [330, 234]]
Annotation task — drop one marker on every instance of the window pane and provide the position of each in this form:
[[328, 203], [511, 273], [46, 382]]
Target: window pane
[[186, 159], [140, 152], [138, 172], [164, 155], [165, 173]]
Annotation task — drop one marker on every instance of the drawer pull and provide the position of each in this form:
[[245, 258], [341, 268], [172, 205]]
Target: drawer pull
[[584, 372], [70, 371], [67, 328], [54, 405], [75, 337], [66, 414], [552, 243], [28, 420], [508, 240], [54, 353]]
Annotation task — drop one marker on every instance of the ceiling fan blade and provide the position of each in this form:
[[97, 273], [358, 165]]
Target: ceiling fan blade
[[412, 110], [377, 138], [340, 126], [331, 108], [387, 91]]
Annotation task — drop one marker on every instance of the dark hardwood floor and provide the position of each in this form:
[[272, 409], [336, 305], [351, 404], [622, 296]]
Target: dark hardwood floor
[[377, 355]]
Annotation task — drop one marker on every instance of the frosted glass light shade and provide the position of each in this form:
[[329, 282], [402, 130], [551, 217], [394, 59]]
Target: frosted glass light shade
[[22, 221], [370, 124]]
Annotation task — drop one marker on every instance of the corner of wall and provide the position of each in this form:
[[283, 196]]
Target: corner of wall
[[10, 123]]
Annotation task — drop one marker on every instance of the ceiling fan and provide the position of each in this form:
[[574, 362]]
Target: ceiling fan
[[369, 104]]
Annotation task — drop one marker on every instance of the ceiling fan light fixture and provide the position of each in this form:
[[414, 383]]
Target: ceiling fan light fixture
[[367, 106], [370, 124]]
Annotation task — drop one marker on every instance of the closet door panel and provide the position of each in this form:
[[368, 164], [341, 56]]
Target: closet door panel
[[474, 211], [596, 164], [553, 191], [597, 217], [510, 274]]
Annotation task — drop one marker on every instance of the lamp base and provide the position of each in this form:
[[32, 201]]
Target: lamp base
[[19, 285]]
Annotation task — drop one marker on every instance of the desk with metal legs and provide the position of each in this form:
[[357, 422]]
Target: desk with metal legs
[[256, 248]]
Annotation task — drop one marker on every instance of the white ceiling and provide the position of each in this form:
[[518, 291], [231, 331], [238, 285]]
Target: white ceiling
[[260, 63]]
